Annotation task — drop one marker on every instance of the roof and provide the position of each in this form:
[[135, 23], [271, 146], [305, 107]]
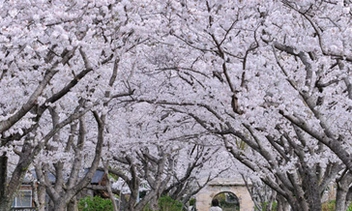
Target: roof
[[97, 177]]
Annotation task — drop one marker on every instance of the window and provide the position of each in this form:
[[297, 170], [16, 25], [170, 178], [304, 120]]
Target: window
[[23, 199]]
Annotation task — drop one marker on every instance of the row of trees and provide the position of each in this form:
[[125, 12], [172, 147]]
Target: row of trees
[[63, 84], [155, 91]]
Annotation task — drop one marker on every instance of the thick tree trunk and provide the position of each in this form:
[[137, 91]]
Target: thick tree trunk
[[349, 197], [341, 194], [342, 191], [298, 207], [154, 204], [282, 204], [3, 175], [5, 202], [72, 206], [123, 202], [297, 197], [60, 205], [131, 202], [41, 193], [311, 187]]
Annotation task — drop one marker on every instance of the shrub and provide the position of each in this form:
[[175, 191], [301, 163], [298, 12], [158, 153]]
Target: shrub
[[328, 206], [192, 202], [265, 206], [95, 204], [166, 203]]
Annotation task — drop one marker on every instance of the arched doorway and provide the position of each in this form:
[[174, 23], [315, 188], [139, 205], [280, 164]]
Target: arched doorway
[[228, 201], [220, 185]]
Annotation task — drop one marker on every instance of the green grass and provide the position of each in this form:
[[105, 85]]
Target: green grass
[[330, 206]]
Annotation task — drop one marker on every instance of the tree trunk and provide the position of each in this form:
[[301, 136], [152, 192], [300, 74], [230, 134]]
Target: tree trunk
[[5, 202], [3, 175], [341, 194], [60, 205], [296, 201], [154, 204], [41, 193], [282, 204], [349, 197], [341, 191], [132, 201], [312, 191], [111, 195], [108, 186], [123, 202], [72, 206]]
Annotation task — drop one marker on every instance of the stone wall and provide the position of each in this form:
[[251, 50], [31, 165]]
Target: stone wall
[[237, 187]]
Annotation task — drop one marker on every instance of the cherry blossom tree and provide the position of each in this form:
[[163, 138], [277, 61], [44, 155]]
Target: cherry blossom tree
[[152, 139], [155, 168], [29, 68], [273, 74], [56, 61], [62, 190], [164, 170], [268, 80]]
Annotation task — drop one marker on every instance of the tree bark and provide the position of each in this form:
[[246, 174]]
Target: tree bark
[[41, 193], [282, 204], [341, 194], [342, 190], [108, 186], [312, 190], [5, 202], [72, 205], [60, 204], [18, 174], [349, 197], [3, 175]]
